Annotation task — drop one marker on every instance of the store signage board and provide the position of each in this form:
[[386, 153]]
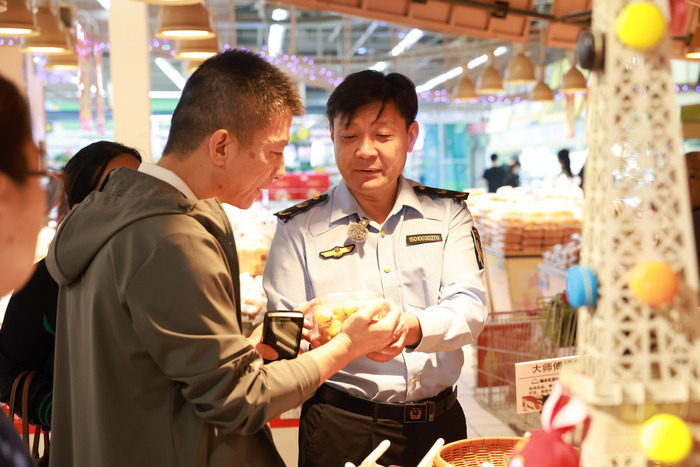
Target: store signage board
[[535, 379]]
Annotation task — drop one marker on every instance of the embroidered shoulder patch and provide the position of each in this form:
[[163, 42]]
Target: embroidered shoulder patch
[[439, 192], [286, 214]]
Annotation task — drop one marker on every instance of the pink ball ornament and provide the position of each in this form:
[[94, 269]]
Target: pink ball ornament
[[544, 449]]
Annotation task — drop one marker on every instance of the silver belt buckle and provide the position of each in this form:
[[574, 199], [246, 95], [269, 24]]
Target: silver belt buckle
[[419, 413]]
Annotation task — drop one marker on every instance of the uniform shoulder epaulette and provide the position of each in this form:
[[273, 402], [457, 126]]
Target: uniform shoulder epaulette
[[286, 214], [439, 192]]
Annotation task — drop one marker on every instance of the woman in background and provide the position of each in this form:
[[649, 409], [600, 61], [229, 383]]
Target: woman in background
[[27, 334], [22, 206], [566, 178]]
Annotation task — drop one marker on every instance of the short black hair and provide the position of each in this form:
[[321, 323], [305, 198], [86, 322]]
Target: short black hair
[[494, 157], [369, 86], [86, 167], [15, 132], [236, 90]]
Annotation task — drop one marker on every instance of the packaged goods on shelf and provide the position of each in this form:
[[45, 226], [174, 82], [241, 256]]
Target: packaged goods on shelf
[[564, 255], [515, 220], [253, 230], [253, 299]]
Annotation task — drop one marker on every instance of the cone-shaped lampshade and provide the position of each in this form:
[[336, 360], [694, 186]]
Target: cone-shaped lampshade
[[184, 22], [18, 20], [465, 90], [541, 93], [573, 81], [169, 2], [489, 82], [64, 62], [53, 37], [200, 49], [519, 71]]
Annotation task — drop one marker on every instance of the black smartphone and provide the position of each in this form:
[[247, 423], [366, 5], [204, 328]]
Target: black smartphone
[[282, 331]]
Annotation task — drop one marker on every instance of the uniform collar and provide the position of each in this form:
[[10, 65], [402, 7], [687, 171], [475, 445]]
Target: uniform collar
[[345, 205]]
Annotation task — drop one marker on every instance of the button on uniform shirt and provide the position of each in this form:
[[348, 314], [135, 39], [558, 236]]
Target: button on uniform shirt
[[425, 257]]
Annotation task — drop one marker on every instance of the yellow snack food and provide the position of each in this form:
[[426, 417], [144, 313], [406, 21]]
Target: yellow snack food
[[333, 309]]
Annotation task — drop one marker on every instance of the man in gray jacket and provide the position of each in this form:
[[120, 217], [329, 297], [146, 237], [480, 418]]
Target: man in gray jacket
[[151, 365]]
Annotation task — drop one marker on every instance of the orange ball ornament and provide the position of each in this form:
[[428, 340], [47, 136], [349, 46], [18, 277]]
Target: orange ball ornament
[[654, 283]]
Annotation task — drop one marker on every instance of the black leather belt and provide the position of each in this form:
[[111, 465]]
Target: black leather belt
[[423, 411]]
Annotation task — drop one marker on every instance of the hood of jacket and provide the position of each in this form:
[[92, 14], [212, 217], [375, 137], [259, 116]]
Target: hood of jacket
[[126, 198]]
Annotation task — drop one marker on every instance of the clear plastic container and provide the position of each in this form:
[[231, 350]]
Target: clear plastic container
[[333, 309]]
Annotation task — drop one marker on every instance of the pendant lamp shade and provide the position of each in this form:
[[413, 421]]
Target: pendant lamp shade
[[541, 93], [53, 37], [18, 20], [187, 49], [64, 62], [466, 90], [520, 70], [3, 6], [573, 81], [489, 82], [184, 22]]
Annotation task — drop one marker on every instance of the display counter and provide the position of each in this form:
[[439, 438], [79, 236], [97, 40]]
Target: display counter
[[512, 279]]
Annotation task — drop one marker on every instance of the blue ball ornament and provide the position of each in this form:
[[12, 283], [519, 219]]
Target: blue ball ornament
[[581, 286]]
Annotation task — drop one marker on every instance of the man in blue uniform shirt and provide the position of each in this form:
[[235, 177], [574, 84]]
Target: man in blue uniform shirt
[[420, 250]]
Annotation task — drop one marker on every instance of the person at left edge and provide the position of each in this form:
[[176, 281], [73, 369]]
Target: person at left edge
[[22, 206], [421, 252], [29, 326]]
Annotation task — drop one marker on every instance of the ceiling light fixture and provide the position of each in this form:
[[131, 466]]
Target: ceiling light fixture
[[541, 92], [64, 62], [430, 84], [466, 91], [53, 37], [490, 80], [3, 6], [184, 22], [170, 71], [694, 46], [18, 20], [407, 42], [573, 81], [197, 49], [520, 70]]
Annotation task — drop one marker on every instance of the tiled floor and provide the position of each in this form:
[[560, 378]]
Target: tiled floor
[[480, 422]]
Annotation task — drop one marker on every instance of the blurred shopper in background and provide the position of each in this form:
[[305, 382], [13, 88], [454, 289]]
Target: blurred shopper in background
[[494, 175], [566, 178], [28, 330], [152, 366], [22, 208], [512, 176], [420, 251]]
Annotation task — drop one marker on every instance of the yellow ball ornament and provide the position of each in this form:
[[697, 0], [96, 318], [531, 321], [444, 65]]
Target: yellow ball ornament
[[654, 283], [666, 439], [640, 25]]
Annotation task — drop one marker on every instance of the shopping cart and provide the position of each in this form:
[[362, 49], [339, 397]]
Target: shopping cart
[[511, 337]]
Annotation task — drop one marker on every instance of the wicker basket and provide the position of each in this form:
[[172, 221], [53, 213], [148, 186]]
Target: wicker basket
[[474, 452]]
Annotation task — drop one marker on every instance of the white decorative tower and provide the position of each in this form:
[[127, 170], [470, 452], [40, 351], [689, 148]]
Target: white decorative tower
[[640, 354]]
